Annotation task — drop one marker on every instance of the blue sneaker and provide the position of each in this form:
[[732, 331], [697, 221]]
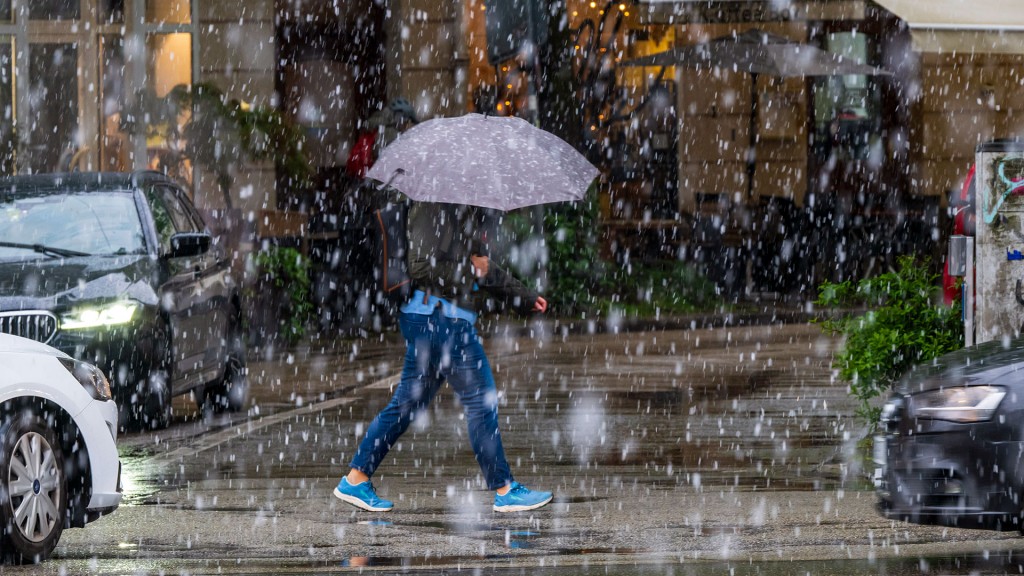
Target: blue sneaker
[[362, 496], [520, 498]]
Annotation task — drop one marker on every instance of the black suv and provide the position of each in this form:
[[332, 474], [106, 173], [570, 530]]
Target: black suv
[[119, 270]]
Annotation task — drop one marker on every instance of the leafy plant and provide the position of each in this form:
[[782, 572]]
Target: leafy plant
[[287, 272], [580, 279], [201, 127], [658, 288], [904, 324], [575, 267]]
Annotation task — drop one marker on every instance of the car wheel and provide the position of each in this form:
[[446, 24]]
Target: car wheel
[[231, 392], [157, 396], [147, 403], [33, 489], [156, 413]]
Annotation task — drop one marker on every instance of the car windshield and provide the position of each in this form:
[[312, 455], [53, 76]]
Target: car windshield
[[69, 224]]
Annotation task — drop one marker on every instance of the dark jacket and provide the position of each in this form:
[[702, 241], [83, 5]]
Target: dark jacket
[[442, 237]]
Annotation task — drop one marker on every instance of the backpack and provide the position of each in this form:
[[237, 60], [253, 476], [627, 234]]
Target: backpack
[[362, 155], [390, 283]]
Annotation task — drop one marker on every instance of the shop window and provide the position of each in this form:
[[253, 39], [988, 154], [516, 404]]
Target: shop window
[[54, 9], [169, 11], [169, 65], [5, 11], [52, 105]]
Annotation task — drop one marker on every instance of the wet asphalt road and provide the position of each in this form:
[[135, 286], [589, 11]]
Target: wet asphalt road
[[704, 451]]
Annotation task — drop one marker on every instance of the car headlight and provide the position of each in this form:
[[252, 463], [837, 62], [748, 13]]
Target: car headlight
[[90, 377], [109, 314], [959, 404]]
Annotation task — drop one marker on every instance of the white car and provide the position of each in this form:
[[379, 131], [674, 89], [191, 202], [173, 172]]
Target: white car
[[59, 465]]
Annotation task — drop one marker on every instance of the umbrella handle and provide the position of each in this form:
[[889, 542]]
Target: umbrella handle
[[395, 174]]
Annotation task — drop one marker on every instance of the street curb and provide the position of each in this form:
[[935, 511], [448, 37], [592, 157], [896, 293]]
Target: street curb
[[614, 325]]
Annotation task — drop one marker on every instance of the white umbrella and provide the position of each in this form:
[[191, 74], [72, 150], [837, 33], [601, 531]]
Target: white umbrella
[[488, 161]]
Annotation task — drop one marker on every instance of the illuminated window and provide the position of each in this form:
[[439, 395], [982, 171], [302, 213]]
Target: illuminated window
[[170, 61], [168, 11], [84, 67]]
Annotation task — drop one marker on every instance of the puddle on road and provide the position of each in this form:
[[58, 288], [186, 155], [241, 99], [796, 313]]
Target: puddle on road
[[973, 564]]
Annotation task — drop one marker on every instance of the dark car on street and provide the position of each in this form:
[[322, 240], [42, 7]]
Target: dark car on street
[[119, 270], [951, 444]]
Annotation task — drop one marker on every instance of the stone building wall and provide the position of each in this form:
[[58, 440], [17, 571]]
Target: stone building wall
[[965, 100]]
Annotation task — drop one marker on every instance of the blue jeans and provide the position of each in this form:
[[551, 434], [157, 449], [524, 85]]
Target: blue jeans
[[439, 348]]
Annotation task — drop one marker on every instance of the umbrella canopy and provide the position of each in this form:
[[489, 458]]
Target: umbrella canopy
[[488, 161], [757, 52]]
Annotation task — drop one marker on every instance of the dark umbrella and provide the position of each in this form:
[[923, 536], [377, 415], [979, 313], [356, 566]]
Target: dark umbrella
[[757, 52], [496, 162]]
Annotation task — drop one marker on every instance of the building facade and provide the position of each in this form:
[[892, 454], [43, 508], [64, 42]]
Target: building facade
[[673, 143]]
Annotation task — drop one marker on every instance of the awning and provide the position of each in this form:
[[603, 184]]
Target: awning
[[962, 26]]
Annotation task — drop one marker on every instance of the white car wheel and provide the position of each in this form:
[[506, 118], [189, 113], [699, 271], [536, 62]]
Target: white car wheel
[[33, 492]]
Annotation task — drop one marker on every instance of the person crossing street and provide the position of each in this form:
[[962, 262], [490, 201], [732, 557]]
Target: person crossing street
[[455, 281]]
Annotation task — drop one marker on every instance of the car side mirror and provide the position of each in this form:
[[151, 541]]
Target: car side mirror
[[188, 244]]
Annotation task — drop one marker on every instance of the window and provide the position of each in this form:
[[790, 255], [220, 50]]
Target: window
[[96, 223], [168, 11], [52, 105], [111, 11], [7, 142], [114, 143], [81, 65], [170, 61], [54, 9], [132, 132], [170, 214]]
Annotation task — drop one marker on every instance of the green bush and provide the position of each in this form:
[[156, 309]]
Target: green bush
[[287, 273], [576, 272], [580, 280], [900, 323]]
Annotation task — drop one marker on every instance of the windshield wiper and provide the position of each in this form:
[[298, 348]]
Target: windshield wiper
[[43, 249]]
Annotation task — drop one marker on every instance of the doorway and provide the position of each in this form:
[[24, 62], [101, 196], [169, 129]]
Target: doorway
[[852, 200]]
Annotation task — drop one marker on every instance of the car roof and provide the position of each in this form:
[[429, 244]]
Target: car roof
[[80, 181]]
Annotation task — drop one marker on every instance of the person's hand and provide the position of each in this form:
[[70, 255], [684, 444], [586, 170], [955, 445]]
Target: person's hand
[[541, 305], [480, 265]]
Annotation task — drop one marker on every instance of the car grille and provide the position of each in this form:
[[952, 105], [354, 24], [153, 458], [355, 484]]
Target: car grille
[[36, 325]]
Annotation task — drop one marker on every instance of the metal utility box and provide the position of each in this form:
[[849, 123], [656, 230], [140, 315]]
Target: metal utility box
[[999, 247], [957, 258]]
